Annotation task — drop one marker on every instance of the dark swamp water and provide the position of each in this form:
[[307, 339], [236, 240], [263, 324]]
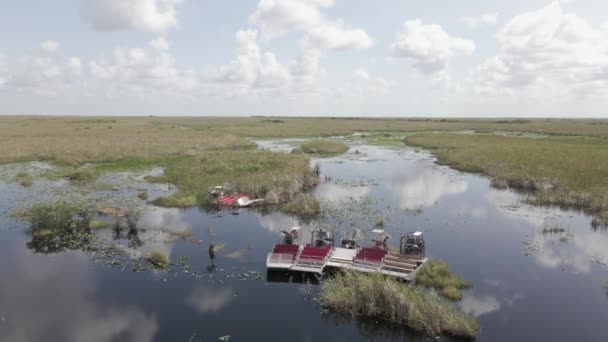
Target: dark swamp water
[[528, 284]]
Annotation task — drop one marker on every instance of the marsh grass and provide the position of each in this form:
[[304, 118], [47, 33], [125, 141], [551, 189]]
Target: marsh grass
[[303, 205], [322, 148], [568, 172], [74, 140], [24, 179], [435, 274], [375, 296], [83, 175], [260, 174]]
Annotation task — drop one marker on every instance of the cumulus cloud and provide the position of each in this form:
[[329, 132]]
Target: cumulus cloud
[[138, 15], [335, 35], [486, 19], [41, 71], [150, 67], [276, 18], [428, 46], [253, 68], [547, 46]]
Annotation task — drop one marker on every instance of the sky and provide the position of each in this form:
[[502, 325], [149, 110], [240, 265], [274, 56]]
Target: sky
[[390, 58]]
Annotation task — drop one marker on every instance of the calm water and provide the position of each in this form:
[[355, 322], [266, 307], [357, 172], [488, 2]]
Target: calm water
[[528, 286]]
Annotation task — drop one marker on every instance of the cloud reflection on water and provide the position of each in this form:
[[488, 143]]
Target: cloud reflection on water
[[422, 186], [210, 300], [43, 302], [576, 247]]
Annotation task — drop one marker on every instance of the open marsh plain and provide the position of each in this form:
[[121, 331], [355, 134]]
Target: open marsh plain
[[516, 209]]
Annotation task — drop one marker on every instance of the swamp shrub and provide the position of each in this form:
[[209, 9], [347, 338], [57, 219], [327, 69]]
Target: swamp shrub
[[58, 217], [158, 259]]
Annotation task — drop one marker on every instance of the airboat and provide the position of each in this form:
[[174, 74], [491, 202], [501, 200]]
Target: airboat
[[321, 253]]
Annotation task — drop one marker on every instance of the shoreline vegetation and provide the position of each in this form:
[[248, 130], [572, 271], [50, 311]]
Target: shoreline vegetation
[[562, 162], [567, 172], [375, 296]]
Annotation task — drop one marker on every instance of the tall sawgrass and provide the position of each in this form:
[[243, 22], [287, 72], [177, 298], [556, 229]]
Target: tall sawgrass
[[568, 172], [373, 295]]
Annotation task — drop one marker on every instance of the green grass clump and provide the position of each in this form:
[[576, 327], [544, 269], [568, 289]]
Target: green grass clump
[[182, 234], [98, 224], [83, 175], [375, 296], [158, 259], [24, 179], [322, 147], [435, 274], [176, 201], [570, 172], [303, 205]]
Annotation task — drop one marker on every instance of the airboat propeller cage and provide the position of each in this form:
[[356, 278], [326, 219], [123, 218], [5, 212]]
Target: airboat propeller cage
[[321, 236], [412, 244], [291, 237], [379, 237]]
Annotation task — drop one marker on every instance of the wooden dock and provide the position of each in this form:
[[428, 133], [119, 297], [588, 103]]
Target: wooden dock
[[367, 259]]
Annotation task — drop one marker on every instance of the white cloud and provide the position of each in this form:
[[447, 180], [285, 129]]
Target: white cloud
[[306, 71], [429, 47], [139, 15], [160, 43], [252, 67], [335, 35], [40, 71], [482, 20], [547, 47], [275, 18], [150, 67], [49, 47]]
